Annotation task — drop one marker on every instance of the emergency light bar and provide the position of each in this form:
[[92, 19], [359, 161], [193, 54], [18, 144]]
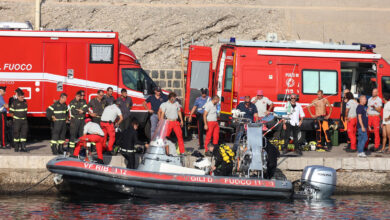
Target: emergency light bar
[[291, 44]]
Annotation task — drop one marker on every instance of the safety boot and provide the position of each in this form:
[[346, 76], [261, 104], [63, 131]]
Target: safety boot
[[16, 146], [23, 147], [60, 149], [54, 149]]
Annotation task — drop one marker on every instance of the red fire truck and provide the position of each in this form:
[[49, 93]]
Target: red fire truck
[[46, 63], [281, 68]]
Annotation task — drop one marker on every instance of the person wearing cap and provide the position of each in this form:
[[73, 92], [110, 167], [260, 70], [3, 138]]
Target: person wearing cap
[[96, 107], [10, 122], [58, 114], [249, 108], [108, 97], [261, 102], [170, 110], [18, 111], [3, 117], [91, 133], [199, 107], [78, 108], [108, 123], [210, 117], [125, 105], [155, 102]]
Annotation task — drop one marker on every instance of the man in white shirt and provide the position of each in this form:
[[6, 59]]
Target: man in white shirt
[[374, 108], [109, 116], [170, 110], [92, 133], [293, 124], [261, 102], [211, 123]]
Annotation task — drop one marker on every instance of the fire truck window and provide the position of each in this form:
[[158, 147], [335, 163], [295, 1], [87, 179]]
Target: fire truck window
[[314, 80], [386, 85], [101, 53], [310, 81], [228, 78], [132, 79], [328, 82]]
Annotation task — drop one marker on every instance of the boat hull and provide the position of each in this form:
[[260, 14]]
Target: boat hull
[[94, 179]]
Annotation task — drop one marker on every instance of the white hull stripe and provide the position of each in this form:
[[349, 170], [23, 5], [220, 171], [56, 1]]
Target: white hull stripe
[[318, 54], [53, 78], [58, 34]]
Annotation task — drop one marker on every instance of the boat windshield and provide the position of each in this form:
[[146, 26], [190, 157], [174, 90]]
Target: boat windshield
[[161, 131]]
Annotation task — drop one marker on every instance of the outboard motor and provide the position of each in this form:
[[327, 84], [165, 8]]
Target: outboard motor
[[317, 182]]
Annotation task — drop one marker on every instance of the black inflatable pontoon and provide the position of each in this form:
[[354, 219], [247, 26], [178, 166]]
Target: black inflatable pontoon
[[78, 176]]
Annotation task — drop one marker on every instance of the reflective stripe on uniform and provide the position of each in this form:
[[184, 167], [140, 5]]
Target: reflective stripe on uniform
[[16, 139], [59, 112], [19, 110], [23, 140], [71, 144], [61, 142], [60, 119], [16, 117], [53, 142], [51, 108]]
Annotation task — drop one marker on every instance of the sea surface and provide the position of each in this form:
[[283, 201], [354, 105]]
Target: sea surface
[[58, 207]]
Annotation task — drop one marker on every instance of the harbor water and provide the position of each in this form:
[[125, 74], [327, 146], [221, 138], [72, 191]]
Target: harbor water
[[57, 207]]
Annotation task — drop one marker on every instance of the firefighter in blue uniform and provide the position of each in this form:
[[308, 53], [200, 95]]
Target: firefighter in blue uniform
[[18, 111], [57, 113], [3, 118]]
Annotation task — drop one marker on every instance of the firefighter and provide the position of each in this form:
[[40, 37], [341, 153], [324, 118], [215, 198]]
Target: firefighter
[[78, 108], [210, 118], [374, 108], [18, 111], [261, 102], [321, 118], [170, 110], [58, 112], [125, 105], [108, 123], [155, 101], [96, 107], [10, 121], [108, 96], [351, 117], [199, 106], [3, 118], [91, 133], [128, 140]]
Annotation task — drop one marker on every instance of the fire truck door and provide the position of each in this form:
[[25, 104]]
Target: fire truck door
[[54, 68], [199, 74], [225, 80], [76, 66]]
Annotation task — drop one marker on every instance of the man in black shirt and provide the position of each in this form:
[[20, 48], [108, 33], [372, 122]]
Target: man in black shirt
[[128, 139], [96, 107], [249, 108], [108, 97]]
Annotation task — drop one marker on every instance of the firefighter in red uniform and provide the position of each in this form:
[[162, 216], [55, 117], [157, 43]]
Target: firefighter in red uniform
[[92, 133], [210, 117], [374, 108], [58, 114], [170, 110], [108, 124]]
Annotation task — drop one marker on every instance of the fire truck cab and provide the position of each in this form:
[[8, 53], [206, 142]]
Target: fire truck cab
[[45, 64], [281, 68]]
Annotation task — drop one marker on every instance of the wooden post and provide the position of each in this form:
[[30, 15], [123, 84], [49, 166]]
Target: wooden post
[[37, 24]]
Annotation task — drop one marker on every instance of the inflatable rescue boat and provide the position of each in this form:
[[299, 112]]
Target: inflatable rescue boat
[[161, 174]]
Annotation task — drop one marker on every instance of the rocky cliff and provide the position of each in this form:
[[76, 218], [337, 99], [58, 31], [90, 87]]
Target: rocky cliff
[[153, 28]]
